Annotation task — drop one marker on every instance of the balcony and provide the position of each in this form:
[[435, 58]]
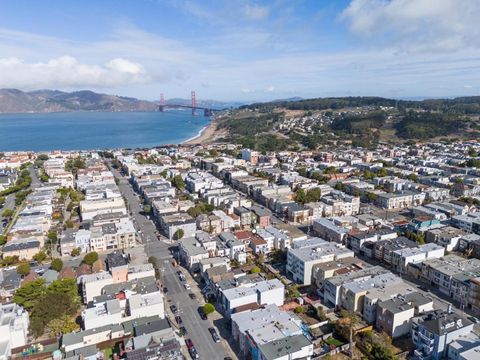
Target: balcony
[[420, 355], [425, 339]]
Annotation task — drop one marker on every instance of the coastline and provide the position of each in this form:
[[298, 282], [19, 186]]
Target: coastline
[[206, 135]]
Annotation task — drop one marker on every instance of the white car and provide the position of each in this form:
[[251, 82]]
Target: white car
[[187, 286]]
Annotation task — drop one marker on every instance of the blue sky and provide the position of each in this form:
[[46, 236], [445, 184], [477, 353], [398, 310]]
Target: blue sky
[[243, 50]]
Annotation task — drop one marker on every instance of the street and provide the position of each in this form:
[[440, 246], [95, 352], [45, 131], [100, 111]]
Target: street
[[177, 294]]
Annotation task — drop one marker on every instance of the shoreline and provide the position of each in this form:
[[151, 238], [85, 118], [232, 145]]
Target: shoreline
[[205, 135], [199, 134]]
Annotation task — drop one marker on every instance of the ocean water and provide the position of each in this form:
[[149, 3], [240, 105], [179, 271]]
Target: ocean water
[[97, 130]]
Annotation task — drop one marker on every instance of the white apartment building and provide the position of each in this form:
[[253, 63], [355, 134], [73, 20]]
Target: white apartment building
[[14, 324], [300, 261]]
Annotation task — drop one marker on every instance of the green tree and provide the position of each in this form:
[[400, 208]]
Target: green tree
[[40, 256], [350, 320], [255, 270], [178, 234], [299, 310], [178, 182], [300, 196], [49, 307], [52, 237], [313, 195], [368, 175], [23, 269], [7, 213], [76, 252], [29, 293], [331, 170], [90, 258], [57, 264], [208, 308], [63, 325], [372, 197], [3, 240], [293, 292], [382, 172], [9, 260]]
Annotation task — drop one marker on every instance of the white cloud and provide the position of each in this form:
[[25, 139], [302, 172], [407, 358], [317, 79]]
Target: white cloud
[[270, 89], [417, 25], [256, 12], [67, 71], [247, 91]]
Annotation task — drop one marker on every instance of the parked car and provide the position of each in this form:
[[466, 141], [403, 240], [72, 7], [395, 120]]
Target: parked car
[[178, 319], [214, 334], [191, 349], [192, 296], [173, 308], [203, 316], [187, 286]]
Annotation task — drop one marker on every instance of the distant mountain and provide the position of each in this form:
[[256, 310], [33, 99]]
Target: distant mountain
[[17, 101]]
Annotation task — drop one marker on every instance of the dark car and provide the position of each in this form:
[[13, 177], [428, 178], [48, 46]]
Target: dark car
[[191, 349], [178, 319], [179, 272], [173, 308], [192, 296], [202, 314], [165, 289], [214, 334]]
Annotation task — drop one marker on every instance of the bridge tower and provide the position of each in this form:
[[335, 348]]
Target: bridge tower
[[194, 102], [162, 103]]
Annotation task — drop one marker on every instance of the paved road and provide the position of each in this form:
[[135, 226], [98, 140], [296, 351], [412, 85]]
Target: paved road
[[9, 204], [188, 309], [35, 179]]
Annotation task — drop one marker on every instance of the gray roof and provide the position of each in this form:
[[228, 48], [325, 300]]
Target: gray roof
[[283, 347], [151, 327]]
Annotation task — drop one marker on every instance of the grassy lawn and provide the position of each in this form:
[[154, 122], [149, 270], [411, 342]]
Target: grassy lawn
[[333, 341], [108, 353]]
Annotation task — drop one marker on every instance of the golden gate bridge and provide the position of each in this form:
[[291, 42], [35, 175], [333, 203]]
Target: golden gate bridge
[[206, 110]]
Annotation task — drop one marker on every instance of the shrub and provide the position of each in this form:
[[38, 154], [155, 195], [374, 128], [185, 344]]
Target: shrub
[[23, 269], [57, 265], [208, 308], [255, 270], [90, 258], [299, 310]]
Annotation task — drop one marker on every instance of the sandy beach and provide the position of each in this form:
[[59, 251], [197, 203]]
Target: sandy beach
[[207, 135]]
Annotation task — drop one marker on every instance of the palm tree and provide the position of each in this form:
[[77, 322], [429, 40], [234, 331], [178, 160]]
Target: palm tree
[[351, 320]]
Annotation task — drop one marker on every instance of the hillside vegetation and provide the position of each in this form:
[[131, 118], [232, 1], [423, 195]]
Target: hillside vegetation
[[360, 121]]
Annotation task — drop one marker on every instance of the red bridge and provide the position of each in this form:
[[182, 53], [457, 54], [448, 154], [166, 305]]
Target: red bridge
[[206, 111]]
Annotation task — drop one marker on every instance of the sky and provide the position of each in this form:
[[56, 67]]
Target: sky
[[243, 50]]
